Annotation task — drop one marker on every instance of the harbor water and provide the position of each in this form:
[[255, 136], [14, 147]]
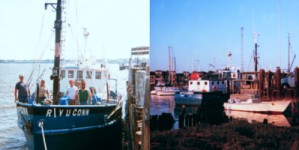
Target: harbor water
[[11, 136]]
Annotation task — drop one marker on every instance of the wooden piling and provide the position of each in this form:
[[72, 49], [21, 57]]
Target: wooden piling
[[261, 79], [137, 109], [146, 119], [295, 99]]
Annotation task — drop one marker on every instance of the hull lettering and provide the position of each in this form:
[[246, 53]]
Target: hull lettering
[[51, 112]]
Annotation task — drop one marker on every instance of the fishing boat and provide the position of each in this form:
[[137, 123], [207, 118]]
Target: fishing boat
[[255, 105], [215, 98], [166, 91], [187, 98], [161, 89], [56, 125], [203, 91]]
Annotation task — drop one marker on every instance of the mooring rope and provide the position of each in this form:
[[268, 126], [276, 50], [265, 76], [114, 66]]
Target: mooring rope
[[41, 125]]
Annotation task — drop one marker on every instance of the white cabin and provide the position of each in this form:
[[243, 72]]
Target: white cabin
[[94, 78], [207, 85]]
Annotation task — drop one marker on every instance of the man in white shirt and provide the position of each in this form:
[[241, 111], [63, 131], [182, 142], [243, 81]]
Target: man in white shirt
[[71, 93]]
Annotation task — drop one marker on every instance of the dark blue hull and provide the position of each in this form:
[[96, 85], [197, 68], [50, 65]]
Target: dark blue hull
[[201, 98], [187, 99], [71, 127]]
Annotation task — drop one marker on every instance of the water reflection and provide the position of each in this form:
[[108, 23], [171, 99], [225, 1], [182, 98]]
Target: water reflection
[[276, 119], [166, 104]]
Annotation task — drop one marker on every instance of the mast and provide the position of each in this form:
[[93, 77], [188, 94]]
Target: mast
[[55, 73], [279, 41], [174, 64], [169, 65], [242, 49], [289, 46], [255, 52]]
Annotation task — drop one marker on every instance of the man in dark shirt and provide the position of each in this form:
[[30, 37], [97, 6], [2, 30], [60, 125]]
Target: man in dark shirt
[[22, 89]]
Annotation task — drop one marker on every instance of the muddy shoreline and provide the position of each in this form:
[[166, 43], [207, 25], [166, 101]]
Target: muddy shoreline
[[236, 134]]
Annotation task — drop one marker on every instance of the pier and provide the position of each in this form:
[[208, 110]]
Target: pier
[[137, 120]]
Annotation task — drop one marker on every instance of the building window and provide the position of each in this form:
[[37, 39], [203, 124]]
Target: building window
[[71, 74], [98, 75], [206, 83], [198, 83], [62, 74], [88, 74], [80, 74]]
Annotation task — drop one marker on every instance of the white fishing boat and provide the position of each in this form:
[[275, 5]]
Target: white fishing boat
[[166, 91], [255, 105], [162, 90]]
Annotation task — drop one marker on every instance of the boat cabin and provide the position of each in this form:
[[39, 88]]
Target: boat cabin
[[207, 86], [95, 79]]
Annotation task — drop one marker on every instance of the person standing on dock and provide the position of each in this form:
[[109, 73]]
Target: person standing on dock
[[71, 92], [83, 94], [22, 91]]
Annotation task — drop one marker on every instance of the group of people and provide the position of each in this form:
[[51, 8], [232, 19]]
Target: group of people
[[76, 96]]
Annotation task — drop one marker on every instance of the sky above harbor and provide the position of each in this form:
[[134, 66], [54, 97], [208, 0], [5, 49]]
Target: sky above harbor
[[202, 32], [114, 27]]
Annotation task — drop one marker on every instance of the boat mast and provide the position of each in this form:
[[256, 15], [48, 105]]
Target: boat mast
[[169, 65], [289, 46], [55, 73], [255, 52]]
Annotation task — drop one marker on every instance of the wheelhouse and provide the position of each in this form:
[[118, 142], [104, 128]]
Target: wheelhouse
[[95, 79]]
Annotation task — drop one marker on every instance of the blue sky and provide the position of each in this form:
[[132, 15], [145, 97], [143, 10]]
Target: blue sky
[[115, 26], [203, 31]]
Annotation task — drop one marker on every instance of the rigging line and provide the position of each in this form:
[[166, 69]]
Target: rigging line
[[250, 61], [40, 57], [40, 34], [37, 47], [77, 21]]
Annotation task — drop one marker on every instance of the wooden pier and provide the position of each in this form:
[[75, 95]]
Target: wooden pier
[[137, 120]]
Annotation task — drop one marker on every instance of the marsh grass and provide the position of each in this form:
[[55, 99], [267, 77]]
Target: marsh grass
[[237, 134]]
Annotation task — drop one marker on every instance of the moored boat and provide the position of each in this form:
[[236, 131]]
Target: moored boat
[[188, 98], [57, 125], [262, 107], [214, 98]]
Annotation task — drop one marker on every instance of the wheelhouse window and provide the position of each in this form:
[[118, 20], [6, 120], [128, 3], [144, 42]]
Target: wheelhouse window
[[80, 74], [88, 74], [98, 75], [62, 74], [71, 74]]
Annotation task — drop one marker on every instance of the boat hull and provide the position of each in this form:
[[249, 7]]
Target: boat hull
[[165, 93], [71, 127], [188, 99], [201, 98], [263, 107]]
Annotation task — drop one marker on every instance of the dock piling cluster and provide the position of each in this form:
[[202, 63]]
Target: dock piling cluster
[[137, 109]]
